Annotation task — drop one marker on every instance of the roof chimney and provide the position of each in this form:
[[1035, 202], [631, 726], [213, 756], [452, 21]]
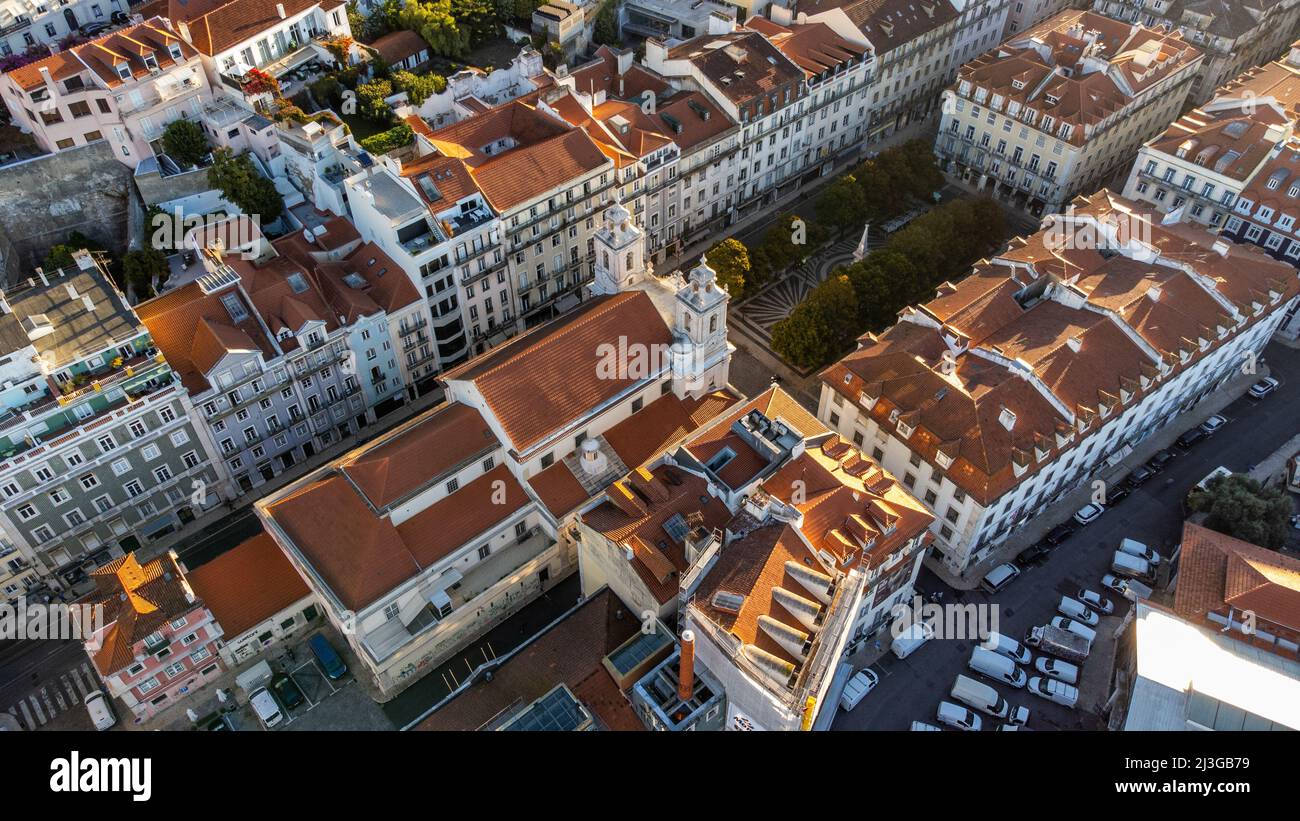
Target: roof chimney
[[686, 677], [279, 8]]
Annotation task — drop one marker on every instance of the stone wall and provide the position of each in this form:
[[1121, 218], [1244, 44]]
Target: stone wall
[[81, 189]]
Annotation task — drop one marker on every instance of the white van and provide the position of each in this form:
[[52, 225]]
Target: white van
[[1136, 548], [954, 715], [1077, 628], [998, 668], [912, 638], [1078, 611], [922, 727], [1126, 564], [266, 707], [101, 711], [1004, 645], [985, 699]]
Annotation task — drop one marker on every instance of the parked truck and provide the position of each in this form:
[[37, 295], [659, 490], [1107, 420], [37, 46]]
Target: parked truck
[[1061, 643]]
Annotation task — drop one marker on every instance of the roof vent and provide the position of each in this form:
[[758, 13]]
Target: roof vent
[[1007, 418]]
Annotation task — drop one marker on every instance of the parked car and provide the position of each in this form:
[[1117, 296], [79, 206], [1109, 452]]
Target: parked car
[[999, 577], [266, 707], [1004, 645], [1126, 564], [1211, 426], [328, 657], [1160, 459], [287, 691], [996, 667], [1139, 476], [1095, 601], [1136, 548], [1089, 513], [1057, 691], [1034, 554], [1117, 495], [1057, 669], [907, 642], [1075, 627], [857, 687], [91, 29], [1078, 611], [119, 17], [100, 709], [957, 716], [1059, 533], [921, 726], [1191, 437], [1112, 582], [1263, 388]]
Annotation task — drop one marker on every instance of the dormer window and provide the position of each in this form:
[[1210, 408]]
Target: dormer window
[[944, 460], [151, 62], [174, 49], [867, 402], [905, 430], [123, 71], [1007, 418]]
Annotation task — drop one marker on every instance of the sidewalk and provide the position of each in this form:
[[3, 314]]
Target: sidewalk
[[221, 512], [1038, 526]]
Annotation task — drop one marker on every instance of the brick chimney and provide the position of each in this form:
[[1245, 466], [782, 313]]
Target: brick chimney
[[686, 677]]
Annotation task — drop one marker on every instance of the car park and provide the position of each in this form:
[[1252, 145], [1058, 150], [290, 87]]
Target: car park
[[328, 657], [1006, 646], [1115, 583], [266, 707], [1059, 533], [999, 577], [857, 687], [954, 715], [1075, 627], [287, 691], [984, 698], [1160, 459], [995, 667], [1078, 611], [1141, 551], [1089, 513], [1139, 476], [1190, 437], [1263, 388], [1057, 669], [907, 642], [1117, 495], [1211, 426], [1034, 554], [1095, 601], [1052, 690]]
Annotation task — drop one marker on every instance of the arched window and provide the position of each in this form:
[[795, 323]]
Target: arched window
[[713, 323], [629, 261]]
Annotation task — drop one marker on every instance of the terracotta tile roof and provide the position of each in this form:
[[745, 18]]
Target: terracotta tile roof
[[448, 177], [755, 567], [601, 75], [218, 25], [569, 652], [558, 489], [442, 527], [138, 600], [247, 585], [1217, 572], [814, 47], [1141, 316], [853, 509], [416, 454], [127, 45], [744, 66], [398, 45], [635, 511], [748, 463], [545, 152], [1027, 68], [544, 379], [889, 24]]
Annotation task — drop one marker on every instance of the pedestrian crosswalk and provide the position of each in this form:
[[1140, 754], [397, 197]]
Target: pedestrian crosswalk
[[52, 697]]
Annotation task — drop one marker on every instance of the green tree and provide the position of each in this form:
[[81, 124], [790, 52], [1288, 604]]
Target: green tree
[[434, 21], [386, 18], [605, 31], [60, 256], [479, 17], [185, 142], [1240, 507], [356, 20], [842, 206], [370, 100], [820, 327], [239, 182], [419, 87], [730, 260], [142, 267]]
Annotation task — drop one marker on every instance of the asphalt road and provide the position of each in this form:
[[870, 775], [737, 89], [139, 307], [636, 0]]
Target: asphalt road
[[910, 689]]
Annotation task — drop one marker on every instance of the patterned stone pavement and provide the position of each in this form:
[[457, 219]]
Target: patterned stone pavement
[[776, 301]]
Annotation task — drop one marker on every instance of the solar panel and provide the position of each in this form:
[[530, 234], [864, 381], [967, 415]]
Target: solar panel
[[557, 711], [676, 527]]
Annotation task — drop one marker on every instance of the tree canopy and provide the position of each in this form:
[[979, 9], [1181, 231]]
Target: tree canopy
[[1240, 507], [730, 260], [240, 183], [185, 142]]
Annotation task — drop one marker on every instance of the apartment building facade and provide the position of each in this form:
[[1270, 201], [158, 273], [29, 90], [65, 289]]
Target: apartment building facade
[[286, 357], [25, 26], [100, 450], [124, 87], [1079, 354], [1198, 168], [1025, 14], [1060, 109], [1234, 36]]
